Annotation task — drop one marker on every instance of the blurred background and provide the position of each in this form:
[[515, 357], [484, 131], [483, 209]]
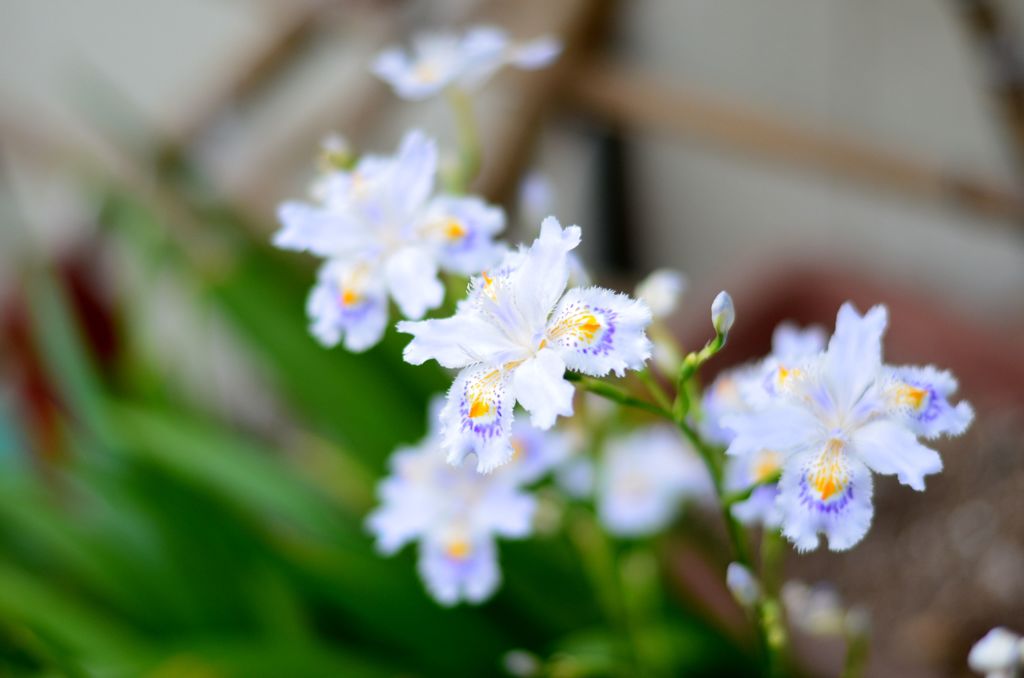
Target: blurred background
[[185, 471]]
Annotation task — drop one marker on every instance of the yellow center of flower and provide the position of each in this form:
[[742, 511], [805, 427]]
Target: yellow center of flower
[[830, 475], [767, 464]]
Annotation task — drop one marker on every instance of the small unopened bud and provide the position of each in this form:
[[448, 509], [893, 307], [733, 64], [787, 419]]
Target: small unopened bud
[[661, 291], [999, 653], [723, 314], [743, 585], [335, 153]]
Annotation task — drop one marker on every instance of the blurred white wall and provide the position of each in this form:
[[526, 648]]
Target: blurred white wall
[[903, 75]]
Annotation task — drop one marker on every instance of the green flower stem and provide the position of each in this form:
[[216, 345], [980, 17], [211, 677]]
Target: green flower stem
[[744, 494], [857, 650], [691, 363], [768, 611], [615, 394], [605, 572], [470, 153], [654, 388]]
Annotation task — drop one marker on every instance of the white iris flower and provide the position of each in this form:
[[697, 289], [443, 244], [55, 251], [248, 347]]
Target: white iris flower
[[644, 477], [440, 60], [742, 390], [513, 338], [455, 514], [384, 235], [837, 417]]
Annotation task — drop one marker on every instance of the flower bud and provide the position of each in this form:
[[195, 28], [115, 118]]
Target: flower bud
[[723, 314], [335, 153], [742, 584]]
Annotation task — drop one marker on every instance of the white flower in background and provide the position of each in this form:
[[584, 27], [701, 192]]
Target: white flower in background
[[742, 390], [643, 479], [838, 416], [536, 198], [383, 235], [454, 513], [742, 583], [1000, 654], [816, 610], [440, 60], [462, 230], [514, 337], [535, 453], [577, 476], [661, 290]]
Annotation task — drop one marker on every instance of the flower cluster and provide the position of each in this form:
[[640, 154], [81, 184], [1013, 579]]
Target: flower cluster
[[830, 418], [384, 232], [802, 429]]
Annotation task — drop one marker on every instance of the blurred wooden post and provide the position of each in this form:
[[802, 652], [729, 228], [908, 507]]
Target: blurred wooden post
[[634, 99]]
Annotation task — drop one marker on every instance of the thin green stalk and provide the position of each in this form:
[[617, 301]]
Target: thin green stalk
[[603, 569], [744, 494], [616, 394], [858, 646], [470, 153], [654, 388]]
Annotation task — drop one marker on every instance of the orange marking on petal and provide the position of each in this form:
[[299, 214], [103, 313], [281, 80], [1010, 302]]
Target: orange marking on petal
[[458, 549], [911, 395], [453, 230], [478, 408], [589, 326], [830, 476], [785, 374], [349, 298]]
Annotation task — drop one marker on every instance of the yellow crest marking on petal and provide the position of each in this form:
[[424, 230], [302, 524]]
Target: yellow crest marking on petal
[[517, 448], [583, 325], [589, 326], [459, 549], [349, 298], [785, 375], [454, 230], [830, 475], [478, 408], [911, 395]]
